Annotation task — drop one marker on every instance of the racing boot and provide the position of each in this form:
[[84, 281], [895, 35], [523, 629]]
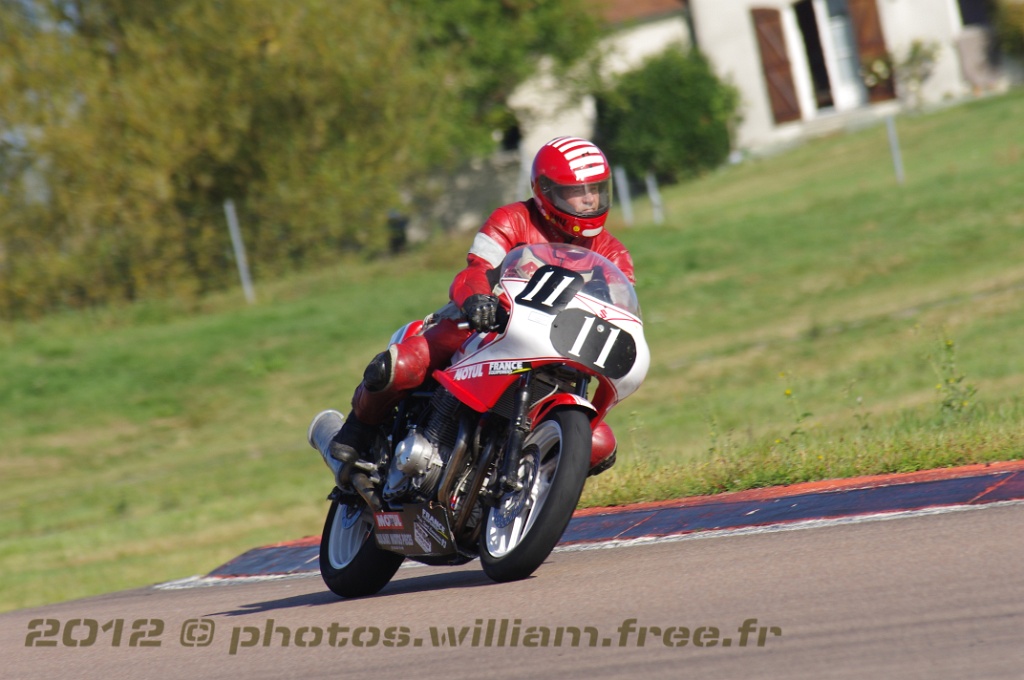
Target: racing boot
[[353, 440], [339, 441]]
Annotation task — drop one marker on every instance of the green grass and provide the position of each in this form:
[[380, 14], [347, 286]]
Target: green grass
[[808, 318]]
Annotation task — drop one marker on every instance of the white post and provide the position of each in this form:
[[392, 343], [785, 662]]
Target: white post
[[894, 148], [655, 196], [236, 242], [622, 187]]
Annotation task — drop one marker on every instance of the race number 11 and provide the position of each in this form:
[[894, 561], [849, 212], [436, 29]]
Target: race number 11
[[581, 339], [551, 289], [594, 342]]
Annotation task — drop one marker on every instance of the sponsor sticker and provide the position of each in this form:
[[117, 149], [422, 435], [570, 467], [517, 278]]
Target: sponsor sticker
[[389, 521], [507, 367], [394, 540], [433, 527], [422, 538], [469, 372]]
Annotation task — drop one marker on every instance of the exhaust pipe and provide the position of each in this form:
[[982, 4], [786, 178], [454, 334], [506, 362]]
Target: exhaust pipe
[[321, 432]]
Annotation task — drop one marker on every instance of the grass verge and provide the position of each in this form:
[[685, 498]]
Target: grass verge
[[808, 319]]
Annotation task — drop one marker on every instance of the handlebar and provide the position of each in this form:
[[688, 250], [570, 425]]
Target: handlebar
[[499, 326]]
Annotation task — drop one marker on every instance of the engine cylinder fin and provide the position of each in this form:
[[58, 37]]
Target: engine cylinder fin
[[443, 427]]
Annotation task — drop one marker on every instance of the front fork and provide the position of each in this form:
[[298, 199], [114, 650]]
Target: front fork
[[508, 477], [517, 434], [521, 427]]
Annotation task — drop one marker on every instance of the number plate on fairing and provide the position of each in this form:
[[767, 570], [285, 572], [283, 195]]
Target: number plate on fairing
[[594, 342], [550, 289]]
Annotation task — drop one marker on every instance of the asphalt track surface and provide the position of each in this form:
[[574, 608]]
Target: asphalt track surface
[[932, 587]]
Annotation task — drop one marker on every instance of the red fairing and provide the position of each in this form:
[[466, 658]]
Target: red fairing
[[408, 330], [479, 392], [521, 224]]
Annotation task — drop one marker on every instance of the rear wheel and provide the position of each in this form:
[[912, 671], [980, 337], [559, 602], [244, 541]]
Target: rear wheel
[[351, 564], [523, 529]]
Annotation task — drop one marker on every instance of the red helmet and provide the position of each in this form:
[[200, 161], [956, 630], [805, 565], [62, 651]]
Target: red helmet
[[572, 186]]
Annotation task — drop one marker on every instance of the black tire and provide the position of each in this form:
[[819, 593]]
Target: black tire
[[521, 532], [351, 564]]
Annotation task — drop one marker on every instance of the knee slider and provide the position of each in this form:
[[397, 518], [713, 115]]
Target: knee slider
[[378, 374]]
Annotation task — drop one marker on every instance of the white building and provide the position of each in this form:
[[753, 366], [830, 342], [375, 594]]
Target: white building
[[801, 66], [811, 65]]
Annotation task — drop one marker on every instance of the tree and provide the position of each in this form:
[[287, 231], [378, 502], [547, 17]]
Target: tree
[[491, 46], [125, 124], [672, 117]]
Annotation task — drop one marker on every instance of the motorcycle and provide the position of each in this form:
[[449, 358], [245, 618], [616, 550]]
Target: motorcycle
[[489, 457]]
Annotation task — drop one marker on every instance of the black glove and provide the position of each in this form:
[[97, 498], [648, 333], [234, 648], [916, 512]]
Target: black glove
[[481, 311]]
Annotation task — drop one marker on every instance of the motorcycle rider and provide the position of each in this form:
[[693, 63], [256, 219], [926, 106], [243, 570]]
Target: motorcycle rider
[[571, 183]]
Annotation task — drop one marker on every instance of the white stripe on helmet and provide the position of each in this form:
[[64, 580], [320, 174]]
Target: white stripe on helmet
[[584, 159], [592, 171]]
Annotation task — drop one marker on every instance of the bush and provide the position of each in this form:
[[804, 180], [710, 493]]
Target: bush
[[672, 117], [1009, 25]]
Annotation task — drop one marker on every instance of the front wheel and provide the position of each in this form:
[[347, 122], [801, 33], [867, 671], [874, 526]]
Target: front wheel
[[351, 564], [522, 531]]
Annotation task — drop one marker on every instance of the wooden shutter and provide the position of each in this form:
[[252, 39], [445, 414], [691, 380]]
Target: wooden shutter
[[778, 76], [867, 28]]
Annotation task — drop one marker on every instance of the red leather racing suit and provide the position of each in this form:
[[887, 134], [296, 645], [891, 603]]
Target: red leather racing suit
[[515, 225], [416, 357]]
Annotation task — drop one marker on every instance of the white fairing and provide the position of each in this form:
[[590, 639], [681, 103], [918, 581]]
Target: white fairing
[[568, 305]]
